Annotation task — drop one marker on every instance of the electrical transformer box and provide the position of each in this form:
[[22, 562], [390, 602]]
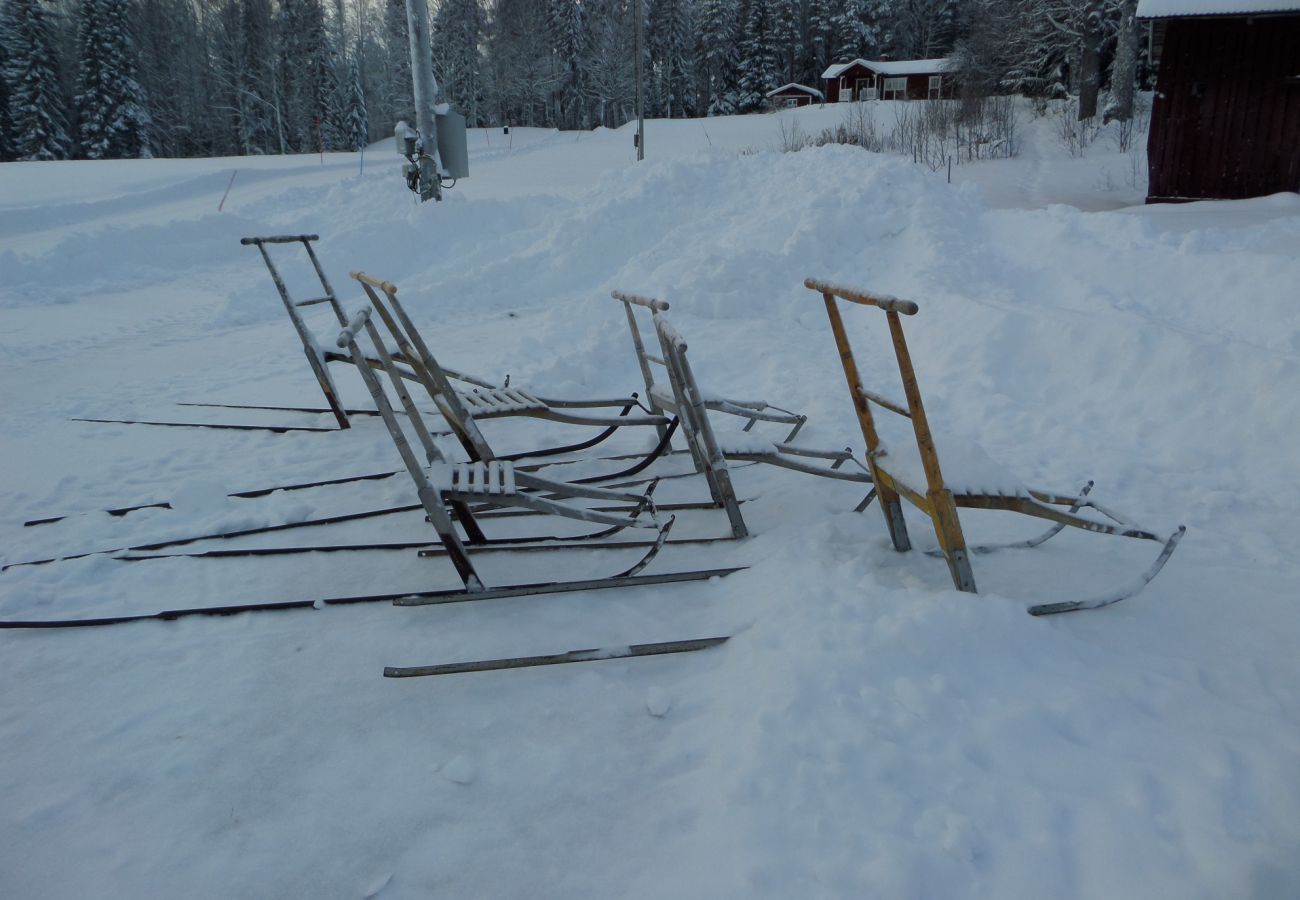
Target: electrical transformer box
[[453, 150]]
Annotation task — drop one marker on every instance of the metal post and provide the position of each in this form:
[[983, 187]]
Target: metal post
[[424, 89], [640, 108]]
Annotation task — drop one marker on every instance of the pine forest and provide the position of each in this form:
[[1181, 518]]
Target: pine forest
[[97, 79]]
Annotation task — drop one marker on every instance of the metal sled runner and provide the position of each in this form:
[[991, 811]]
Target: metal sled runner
[[922, 482]]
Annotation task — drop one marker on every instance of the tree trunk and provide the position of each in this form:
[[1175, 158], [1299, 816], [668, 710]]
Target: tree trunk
[[1090, 60], [1123, 73]]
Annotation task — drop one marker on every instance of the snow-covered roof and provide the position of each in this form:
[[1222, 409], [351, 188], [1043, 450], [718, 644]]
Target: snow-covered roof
[[903, 66], [912, 66], [1160, 9], [798, 87], [834, 70]]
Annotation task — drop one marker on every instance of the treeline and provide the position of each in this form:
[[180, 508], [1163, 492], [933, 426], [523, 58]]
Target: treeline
[[133, 78]]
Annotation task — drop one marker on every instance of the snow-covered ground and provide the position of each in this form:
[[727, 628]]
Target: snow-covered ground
[[868, 732]]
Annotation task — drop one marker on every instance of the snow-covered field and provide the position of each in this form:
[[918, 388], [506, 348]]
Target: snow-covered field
[[868, 732]]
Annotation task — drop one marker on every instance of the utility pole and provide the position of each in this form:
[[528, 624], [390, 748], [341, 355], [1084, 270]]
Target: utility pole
[[424, 89], [640, 109]]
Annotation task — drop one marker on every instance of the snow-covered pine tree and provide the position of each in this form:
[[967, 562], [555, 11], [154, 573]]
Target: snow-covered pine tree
[[358, 124], [242, 42], [864, 29], [307, 74], [458, 31], [36, 103], [669, 43], [822, 37], [611, 62], [6, 121], [112, 117], [717, 56], [566, 27], [339, 89], [761, 54], [180, 80], [395, 99], [91, 100]]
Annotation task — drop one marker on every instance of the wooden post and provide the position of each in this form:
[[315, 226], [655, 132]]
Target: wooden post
[[646, 375], [889, 502], [942, 510]]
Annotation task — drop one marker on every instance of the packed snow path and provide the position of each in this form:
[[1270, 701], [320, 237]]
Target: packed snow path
[[867, 732]]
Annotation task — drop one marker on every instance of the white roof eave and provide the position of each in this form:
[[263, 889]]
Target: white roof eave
[[1171, 9]]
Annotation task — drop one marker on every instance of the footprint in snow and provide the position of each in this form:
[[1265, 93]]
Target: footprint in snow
[[658, 702]]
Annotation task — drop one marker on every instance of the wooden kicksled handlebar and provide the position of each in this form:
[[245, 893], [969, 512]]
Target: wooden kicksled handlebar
[[884, 301], [279, 239], [648, 302], [386, 286]]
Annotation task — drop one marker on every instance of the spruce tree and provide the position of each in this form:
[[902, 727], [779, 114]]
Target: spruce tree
[[357, 133], [670, 56], [36, 104], [92, 101], [458, 30], [6, 121], [718, 59], [112, 119], [760, 54]]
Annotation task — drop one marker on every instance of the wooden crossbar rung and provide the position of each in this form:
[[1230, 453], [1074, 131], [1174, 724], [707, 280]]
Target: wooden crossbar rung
[[314, 301], [656, 359], [885, 402]]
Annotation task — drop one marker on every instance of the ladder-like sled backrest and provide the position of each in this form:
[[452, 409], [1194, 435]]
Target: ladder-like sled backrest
[[430, 497], [937, 502], [425, 366], [752, 411], [317, 357], [694, 418], [644, 359]]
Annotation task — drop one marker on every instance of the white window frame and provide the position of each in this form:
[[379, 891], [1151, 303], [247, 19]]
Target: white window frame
[[936, 87], [894, 88]]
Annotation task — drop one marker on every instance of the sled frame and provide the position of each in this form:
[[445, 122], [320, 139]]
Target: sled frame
[[496, 483], [320, 355], [937, 500], [684, 397]]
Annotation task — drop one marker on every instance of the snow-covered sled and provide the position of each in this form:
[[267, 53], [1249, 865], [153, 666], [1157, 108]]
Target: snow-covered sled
[[970, 480], [445, 488], [477, 394], [681, 395]]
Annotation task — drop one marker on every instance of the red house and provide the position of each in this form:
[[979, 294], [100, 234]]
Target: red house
[[1225, 122], [788, 95], [907, 79]]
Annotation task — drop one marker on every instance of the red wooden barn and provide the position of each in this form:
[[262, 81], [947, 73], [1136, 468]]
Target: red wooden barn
[[795, 95], [906, 79], [1226, 118]]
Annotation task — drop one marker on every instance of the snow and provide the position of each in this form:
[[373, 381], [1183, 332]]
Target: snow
[[1156, 9], [866, 732]]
